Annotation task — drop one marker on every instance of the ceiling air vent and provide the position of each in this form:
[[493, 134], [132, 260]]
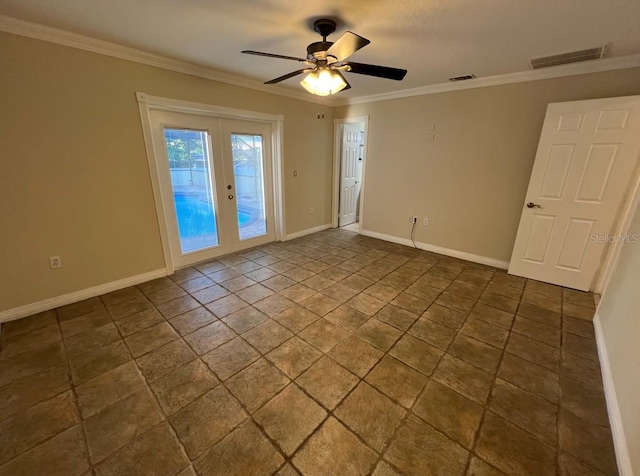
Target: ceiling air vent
[[462, 78], [566, 58]]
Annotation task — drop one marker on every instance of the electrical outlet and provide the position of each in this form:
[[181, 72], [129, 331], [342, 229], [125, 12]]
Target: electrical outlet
[[55, 262], [413, 219], [425, 222], [311, 211]]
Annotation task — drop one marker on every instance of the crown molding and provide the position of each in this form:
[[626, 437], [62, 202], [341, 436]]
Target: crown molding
[[74, 40], [594, 66]]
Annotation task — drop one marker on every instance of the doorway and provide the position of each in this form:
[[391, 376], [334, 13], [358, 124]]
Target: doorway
[[350, 151], [215, 182]]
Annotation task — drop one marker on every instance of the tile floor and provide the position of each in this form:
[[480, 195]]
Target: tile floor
[[352, 227], [333, 354]]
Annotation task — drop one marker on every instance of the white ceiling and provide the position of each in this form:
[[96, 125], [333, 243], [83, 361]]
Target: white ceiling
[[433, 39]]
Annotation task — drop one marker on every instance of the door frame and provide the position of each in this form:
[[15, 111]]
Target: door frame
[[337, 162], [148, 103], [611, 256]]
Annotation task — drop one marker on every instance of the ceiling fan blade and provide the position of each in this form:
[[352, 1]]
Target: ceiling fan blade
[[287, 76], [379, 71], [346, 45], [271, 55]]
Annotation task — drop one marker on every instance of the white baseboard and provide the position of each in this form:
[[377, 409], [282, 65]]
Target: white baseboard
[[439, 249], [52, 303], [615, 417], [308, 231]]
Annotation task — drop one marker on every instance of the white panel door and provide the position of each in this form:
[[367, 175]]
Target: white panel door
[[585, 164], [349, 174]]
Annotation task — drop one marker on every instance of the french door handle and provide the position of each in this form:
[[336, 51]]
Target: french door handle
[[533, 205], [230, 197]]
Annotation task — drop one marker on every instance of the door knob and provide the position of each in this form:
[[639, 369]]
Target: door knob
[[533, 205], [230, 197], [229, 187]]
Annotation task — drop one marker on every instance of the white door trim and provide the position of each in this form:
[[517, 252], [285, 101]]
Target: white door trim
[[337, 146], [147, 103], [612, 254]]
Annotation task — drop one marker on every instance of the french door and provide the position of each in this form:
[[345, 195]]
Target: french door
[[215, 179]]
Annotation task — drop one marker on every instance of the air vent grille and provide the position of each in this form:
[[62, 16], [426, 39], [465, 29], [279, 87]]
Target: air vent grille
[[462, 78], [566, 58]]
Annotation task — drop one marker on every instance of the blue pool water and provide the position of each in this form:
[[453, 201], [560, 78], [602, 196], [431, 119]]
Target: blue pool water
[[196, 218]]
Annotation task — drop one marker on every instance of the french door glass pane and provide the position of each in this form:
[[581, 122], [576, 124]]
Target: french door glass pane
[[189, 164], [249, 179]]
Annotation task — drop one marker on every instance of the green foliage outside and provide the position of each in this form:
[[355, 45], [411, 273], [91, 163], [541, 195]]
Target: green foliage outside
[[184, 148]]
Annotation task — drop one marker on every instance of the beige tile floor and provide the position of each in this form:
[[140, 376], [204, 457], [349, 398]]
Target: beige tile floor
[[333, 354]]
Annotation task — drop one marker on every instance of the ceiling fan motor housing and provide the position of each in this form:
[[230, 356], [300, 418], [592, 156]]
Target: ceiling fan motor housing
[[318, 49], [324, 27]]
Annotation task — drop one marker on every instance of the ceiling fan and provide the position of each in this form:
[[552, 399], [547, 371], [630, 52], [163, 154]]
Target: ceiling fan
[[325, 62]]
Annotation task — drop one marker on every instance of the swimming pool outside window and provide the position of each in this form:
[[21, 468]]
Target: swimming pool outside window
[[248, 169], [189, 165]]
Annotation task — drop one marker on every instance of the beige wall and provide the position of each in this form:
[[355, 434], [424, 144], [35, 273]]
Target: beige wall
[[619, 314], [74, 180], [472, 179]]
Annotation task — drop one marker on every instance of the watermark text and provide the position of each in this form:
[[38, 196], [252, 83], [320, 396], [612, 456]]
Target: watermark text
[[606, 238]]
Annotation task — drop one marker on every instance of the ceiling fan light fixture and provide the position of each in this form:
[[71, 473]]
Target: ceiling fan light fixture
[[325, 62], [323, 82]]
